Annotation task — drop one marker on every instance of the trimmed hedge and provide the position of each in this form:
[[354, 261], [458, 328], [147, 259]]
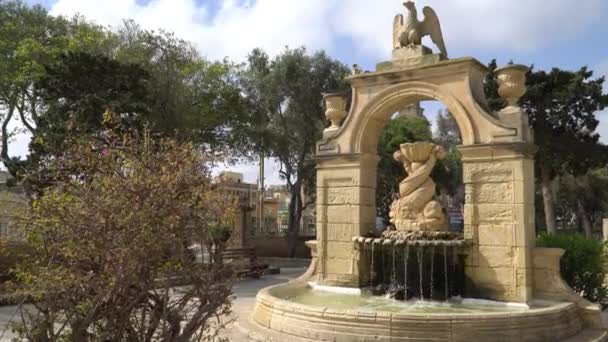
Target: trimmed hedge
[[582, 265]]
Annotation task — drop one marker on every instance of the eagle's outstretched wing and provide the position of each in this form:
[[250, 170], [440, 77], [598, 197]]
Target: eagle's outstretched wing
[[431, 26], [397, 30]]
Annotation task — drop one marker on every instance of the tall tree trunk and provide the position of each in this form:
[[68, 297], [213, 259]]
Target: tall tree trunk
[[295, 215], [587, 227], [4, 139], [548, 203]]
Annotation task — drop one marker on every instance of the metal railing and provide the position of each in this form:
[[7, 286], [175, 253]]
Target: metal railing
[[279, 228]]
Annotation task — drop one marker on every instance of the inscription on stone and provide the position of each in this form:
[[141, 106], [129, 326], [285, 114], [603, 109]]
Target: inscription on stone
[[340, 196]]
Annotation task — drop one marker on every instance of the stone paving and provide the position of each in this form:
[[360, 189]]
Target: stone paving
[[245, 292]]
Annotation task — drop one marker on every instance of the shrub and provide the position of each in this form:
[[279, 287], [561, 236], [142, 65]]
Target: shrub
[[582, 265], [111, 234], [11, 254]]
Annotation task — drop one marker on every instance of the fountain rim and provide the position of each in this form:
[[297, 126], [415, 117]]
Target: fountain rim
[[264, 297]]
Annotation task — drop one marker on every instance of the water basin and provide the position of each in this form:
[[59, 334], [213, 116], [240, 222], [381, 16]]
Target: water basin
[[296, 309], [368, 303]]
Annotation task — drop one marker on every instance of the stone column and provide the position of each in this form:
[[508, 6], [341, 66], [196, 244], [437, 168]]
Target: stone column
[[605, 229], [346, 186], [499, 220]]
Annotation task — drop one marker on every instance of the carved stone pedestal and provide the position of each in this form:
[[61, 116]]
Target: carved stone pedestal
[[410, 56]]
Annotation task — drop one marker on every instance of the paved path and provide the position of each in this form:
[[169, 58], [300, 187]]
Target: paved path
[[245, 292]]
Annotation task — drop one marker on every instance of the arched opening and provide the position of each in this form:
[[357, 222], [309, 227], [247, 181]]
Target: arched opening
[[379, 111], [417, 271], [426, 121]]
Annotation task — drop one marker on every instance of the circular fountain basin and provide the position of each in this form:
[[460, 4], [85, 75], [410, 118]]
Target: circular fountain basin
[[298, 310]]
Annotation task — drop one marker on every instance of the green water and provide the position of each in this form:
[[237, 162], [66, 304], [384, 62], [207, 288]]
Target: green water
[[335, 301]]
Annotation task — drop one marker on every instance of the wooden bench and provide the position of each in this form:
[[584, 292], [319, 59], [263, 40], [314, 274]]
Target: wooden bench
[[244, 261]]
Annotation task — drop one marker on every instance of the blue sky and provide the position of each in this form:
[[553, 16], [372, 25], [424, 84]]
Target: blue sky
[[556, 33]]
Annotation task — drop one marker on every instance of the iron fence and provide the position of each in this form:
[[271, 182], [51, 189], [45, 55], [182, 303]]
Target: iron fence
[[279, 228]]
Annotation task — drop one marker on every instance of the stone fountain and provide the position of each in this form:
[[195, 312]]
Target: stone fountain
[[417, 281]]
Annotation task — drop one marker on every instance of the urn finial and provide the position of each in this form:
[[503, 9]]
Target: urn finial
[[335, 112], [512, 83]]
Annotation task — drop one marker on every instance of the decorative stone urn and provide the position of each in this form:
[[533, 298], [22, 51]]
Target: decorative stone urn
[[416, 209], [336, 109], [512, 83]]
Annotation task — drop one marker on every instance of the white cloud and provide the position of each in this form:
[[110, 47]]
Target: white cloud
[[239, 26], [234, 30]]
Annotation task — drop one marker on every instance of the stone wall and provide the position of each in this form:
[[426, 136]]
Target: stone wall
[[345, 208], [499, 220], [548, 284]]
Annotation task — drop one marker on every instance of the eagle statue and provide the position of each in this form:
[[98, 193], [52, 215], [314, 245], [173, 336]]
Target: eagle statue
[[411, 32]]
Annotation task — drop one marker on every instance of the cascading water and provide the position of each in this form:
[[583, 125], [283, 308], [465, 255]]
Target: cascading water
[[371, 268], [394, 269], [445, 271], [434, 278], [432, 266], [406, 255], [420, 272]]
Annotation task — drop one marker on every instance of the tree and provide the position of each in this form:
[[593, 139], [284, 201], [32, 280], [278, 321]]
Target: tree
[[284, 97], [190, 95], [561, 106], [447, 133], [448, 172], [29, 39], [390, 173], [108, 239], [584, 197], [184, 93]]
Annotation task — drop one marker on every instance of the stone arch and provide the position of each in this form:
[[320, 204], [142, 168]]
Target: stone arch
[[393, 98], [497, 155]]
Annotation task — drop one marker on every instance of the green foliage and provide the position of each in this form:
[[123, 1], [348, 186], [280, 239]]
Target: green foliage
[[29, 40], [562, 107], [75, 93], [189, 95], [390, 173], [59, 76], [286, 117], [582, 265], [220, 233], [448, 172], [495, 102], [583, 197], [11, 254], [111, 233]]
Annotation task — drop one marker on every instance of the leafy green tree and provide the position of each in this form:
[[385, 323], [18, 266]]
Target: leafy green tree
[[448, 172], [561, 106], [108, 244], [584, 197], [399, 131], [284, 97], [447, 133], [190, 95], [29, 39], [75, 92]]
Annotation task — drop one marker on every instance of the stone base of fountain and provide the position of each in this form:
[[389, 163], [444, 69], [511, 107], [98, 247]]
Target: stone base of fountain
[[275, 311]]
